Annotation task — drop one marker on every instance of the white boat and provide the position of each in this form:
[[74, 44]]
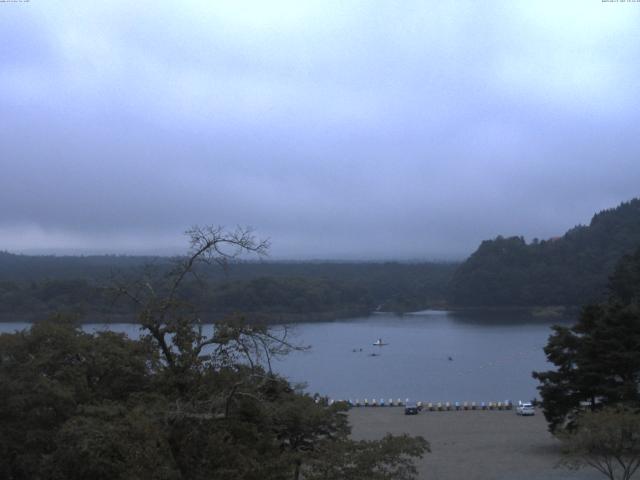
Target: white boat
[[379, 343]]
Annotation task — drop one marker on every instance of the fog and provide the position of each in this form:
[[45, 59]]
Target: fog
[[342, 130]]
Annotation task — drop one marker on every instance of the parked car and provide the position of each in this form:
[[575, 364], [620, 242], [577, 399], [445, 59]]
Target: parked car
[[411, 408], [525, 409]]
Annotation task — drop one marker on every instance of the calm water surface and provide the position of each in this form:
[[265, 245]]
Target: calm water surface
[[492, 356]]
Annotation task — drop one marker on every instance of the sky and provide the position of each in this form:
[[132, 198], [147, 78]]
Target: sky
[[337, 129]]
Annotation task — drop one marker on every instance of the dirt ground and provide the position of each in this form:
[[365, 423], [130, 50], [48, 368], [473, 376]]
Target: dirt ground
[[473, 445]]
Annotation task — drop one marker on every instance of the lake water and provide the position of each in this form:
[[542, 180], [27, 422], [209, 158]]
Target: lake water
[[492, 356]]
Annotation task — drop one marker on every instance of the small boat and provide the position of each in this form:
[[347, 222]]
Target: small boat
[[379, 343]]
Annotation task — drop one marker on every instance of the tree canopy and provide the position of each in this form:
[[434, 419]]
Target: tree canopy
[[33, 287], [607, 440], [568, 270], [175, 404], [598, 359]]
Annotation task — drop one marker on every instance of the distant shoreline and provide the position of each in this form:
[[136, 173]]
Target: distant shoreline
[[540, 312], [547, 311]]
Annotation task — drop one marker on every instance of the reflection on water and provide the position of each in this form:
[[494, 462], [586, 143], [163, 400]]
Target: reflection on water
[[430, 356]]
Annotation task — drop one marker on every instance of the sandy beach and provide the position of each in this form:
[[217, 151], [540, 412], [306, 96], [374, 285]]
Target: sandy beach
[[473, 445]]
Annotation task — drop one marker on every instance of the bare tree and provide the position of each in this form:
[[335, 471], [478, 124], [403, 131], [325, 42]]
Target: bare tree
[[174, 325]]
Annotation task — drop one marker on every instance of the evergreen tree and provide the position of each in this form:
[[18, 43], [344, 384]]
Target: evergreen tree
[[598, 359], [569, 270]]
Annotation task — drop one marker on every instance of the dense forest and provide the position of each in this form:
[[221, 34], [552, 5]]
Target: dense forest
[[569, 270], [505, 272], [174, 404], [32, 287]]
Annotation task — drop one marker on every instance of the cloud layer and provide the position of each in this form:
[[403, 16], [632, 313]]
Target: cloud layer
[[338, 129]]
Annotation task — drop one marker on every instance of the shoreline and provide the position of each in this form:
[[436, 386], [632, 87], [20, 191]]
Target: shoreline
[[539, 313]]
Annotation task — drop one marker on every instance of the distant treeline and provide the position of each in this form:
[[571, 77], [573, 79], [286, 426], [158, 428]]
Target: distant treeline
[[272, 291], [568, 270]]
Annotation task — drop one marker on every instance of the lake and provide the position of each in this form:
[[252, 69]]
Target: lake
[[429, 356]]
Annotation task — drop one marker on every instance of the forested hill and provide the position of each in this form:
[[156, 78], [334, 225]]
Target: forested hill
[[34, 268], [570, 270], [36, 286]]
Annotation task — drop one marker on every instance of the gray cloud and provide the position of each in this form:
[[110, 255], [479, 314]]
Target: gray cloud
[[338, 129]]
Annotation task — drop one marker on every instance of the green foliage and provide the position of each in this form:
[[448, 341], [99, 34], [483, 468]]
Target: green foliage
[[78, 406], [111, 440], [285, 291], [176, 404], [607, 440], [289, 295], [625, 281], [46, 374], [598, 359], [388, 459], [571, 270]]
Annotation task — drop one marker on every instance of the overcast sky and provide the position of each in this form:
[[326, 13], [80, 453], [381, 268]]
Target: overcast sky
[[347, 129]]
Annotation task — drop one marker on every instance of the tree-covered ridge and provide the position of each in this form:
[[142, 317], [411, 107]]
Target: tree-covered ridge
[[27, 268], [267, 297], [37, 286], [570, 270]]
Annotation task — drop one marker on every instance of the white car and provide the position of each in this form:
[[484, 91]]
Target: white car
[[525, 409]]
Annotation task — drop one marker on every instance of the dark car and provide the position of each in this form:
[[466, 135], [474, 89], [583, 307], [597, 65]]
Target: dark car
[[411, 408]]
